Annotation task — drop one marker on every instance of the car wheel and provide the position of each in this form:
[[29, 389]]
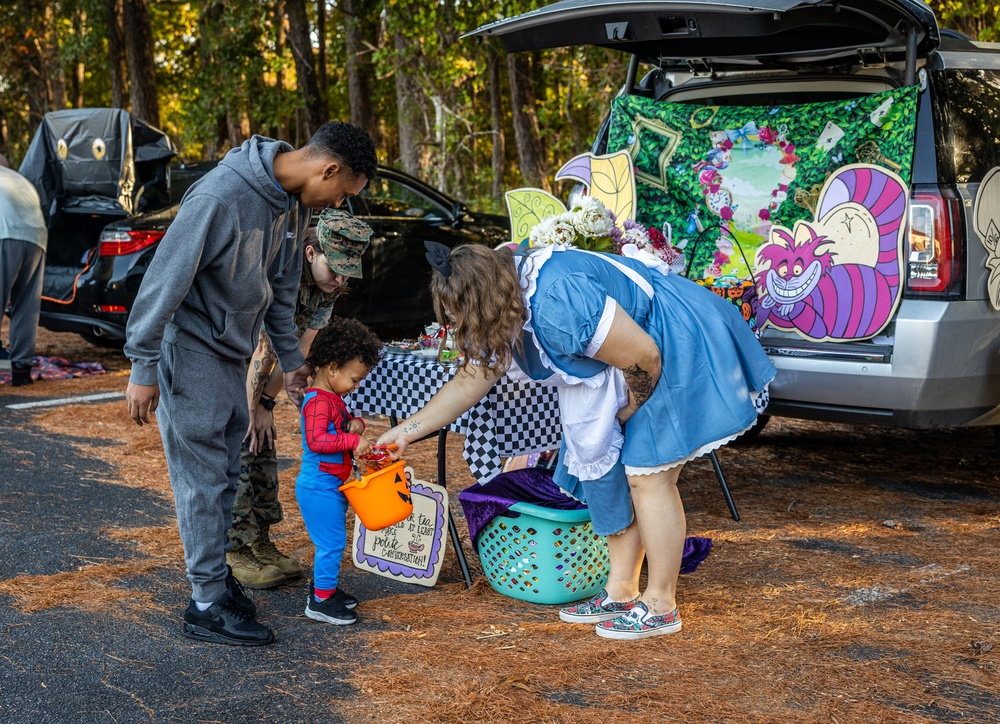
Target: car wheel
[[103, 341]]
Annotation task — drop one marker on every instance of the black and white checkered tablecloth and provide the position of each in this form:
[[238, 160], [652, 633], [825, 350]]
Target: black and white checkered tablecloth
[[514, 418]]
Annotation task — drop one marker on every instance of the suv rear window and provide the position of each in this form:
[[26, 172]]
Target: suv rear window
[[965, 123]]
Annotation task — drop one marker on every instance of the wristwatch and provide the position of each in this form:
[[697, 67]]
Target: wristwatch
[[267, 402]]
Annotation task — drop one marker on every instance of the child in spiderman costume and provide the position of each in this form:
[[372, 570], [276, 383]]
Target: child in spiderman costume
[[342, 355]]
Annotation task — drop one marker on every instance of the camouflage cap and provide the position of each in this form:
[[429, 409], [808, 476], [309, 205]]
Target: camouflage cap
[[343, 239]]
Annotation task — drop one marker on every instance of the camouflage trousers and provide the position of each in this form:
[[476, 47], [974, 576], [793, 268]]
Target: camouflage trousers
[[256, 503]]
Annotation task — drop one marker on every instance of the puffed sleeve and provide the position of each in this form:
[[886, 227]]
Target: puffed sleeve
[[568, 313]]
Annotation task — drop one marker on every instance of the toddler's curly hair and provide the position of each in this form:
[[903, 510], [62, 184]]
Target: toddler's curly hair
[[344, 340]]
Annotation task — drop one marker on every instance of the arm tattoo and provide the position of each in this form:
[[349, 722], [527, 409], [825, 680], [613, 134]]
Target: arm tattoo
[[261, 365], [639, 382], [410, 427], [258, 378]]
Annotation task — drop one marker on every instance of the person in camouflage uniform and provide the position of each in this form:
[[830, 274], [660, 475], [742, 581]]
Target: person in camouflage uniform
[[332, 253]]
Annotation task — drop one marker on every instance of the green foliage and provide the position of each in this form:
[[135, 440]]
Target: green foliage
[[220, 63]]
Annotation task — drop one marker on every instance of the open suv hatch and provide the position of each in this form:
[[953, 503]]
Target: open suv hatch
[[936, 362]]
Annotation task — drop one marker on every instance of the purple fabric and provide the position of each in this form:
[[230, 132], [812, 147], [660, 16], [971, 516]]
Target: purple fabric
[[57, 368], [695, 551], [482, 503]]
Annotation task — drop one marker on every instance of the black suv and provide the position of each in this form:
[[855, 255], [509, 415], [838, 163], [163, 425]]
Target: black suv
[[936, 362], [110, 196]]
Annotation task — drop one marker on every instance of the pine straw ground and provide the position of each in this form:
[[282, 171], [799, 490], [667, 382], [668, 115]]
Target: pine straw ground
[[860, 584]]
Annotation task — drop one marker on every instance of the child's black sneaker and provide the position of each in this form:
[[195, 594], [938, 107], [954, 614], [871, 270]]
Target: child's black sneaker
[[332, 610], [346, 599], [224, 622]]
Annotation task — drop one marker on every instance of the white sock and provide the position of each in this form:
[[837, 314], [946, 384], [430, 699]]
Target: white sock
[[202, 606]]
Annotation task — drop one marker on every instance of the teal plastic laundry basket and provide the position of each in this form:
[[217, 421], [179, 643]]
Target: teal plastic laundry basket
[[543, 555]]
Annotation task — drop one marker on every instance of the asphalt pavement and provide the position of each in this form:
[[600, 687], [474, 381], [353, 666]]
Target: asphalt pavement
[[63, 664]]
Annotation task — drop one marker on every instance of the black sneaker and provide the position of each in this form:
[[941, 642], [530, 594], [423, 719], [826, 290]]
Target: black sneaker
[[225, 623], [20, 375], [346, 599], [240, 597], [332, 610]]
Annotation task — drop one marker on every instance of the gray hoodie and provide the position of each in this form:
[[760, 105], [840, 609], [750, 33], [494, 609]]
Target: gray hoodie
[[230, 261]]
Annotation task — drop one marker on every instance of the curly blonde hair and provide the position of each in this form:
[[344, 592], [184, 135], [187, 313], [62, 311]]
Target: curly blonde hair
[[481, 300]]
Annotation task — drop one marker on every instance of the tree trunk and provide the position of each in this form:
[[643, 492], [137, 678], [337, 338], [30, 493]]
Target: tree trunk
[[496, 121], [408, 112], [209, 26], [5, 136], [526, 133], [141, 68], [50, 57], [359, 70], [79, 68], [116, 54], [280, 38], [305, 65], [321, 52], [32, 65]]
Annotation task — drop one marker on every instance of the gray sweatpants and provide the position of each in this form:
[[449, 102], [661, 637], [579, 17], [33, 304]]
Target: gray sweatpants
[[22, 268], [203, 418]]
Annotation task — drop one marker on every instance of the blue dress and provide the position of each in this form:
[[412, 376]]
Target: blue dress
[[711, 360]]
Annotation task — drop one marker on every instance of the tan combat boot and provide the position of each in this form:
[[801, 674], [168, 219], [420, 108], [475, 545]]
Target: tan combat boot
[[267, 553], [251, 572]]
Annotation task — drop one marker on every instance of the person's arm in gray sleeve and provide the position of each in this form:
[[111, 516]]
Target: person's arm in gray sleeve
[[279, 320], [169, 278]]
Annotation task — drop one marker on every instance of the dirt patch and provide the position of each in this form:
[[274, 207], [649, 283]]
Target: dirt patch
[[859, 584]]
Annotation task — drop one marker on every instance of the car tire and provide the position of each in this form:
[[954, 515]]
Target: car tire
[[103, 342]]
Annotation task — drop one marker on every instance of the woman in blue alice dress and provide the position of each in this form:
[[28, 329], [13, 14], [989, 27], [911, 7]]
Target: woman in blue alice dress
[[652, 370]]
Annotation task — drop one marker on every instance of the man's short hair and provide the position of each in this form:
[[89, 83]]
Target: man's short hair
[[349, 144]]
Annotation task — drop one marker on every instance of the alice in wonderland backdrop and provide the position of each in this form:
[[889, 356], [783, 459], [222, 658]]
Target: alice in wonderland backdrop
[[733, 180]]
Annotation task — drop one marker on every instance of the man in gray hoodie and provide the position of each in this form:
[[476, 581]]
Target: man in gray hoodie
[[229, 264]]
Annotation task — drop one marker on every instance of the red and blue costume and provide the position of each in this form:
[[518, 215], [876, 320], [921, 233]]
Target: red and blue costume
[[326, 465]]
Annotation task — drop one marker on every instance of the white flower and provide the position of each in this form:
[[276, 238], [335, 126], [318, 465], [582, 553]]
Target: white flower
[[541, 232], [575, 197], [563, 232], [637, 236], [591, 218]]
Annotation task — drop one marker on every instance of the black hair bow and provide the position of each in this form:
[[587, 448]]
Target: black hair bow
[[437, 255]]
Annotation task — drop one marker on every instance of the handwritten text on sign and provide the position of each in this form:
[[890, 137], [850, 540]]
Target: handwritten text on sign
[[413, 549]]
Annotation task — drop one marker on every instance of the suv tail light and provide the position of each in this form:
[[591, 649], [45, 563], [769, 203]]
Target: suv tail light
[[935, 245], [120, 243]]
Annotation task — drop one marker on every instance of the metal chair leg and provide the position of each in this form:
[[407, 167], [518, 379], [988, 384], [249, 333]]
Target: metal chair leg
[[452, 529], [725, 486]]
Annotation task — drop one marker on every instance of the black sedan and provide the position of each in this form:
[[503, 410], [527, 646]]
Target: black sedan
[[393, 298]]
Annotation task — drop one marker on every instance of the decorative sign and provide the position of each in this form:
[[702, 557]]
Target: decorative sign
[[724, 176], [412, 550], [987, 215], [838, 276], [608, 178]]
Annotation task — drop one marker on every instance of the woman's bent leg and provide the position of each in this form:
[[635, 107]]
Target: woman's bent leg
[[659, 514], [625, 554]]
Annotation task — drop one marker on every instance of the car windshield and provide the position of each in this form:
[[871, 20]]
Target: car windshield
[[387, 197]]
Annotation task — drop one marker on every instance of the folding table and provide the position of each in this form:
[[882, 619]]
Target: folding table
[[515, 418]]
